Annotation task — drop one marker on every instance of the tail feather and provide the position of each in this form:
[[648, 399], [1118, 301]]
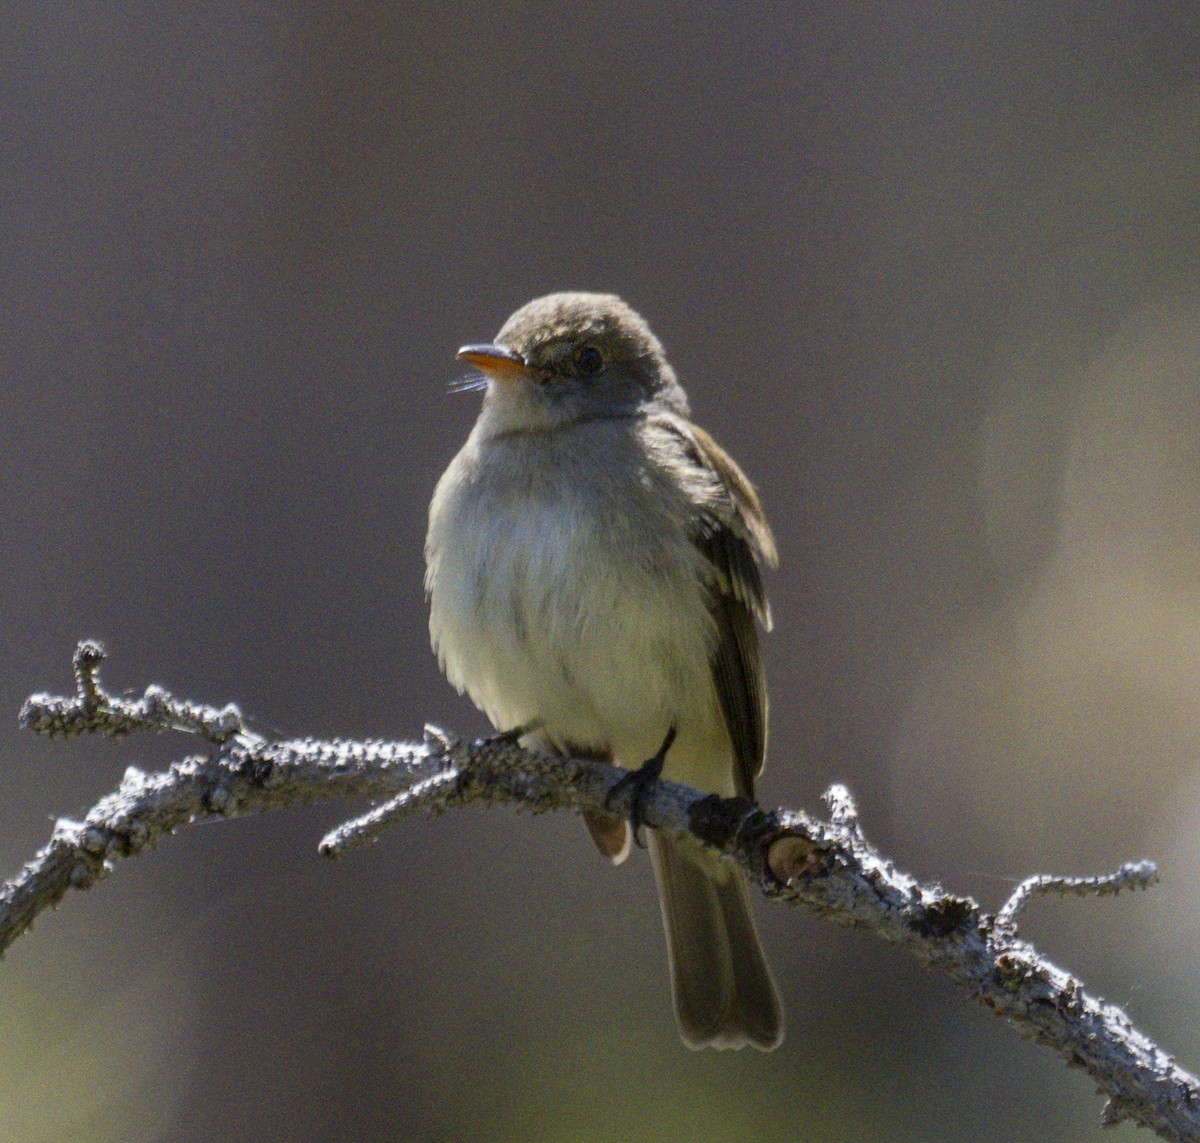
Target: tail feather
[[724, 994]]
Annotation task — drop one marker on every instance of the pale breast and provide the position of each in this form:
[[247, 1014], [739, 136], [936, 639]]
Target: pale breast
[[563, 595]]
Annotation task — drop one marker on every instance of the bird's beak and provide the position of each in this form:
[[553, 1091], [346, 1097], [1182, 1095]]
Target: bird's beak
[[495, 361]]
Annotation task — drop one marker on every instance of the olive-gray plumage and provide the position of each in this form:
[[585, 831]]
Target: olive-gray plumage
[[593, 569]]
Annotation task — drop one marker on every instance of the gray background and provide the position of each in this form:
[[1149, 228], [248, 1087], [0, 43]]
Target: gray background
[[930, 273]]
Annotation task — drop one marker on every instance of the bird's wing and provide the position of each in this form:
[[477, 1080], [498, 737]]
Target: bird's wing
[[731, 531]]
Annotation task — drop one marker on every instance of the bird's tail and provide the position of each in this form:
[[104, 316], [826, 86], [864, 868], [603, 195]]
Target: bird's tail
[[724, 994]]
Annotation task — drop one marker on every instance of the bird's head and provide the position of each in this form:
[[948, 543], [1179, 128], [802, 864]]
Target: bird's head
[[572, 357]]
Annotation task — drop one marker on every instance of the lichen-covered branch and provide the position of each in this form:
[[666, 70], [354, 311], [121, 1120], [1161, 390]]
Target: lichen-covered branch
[[826, 866]]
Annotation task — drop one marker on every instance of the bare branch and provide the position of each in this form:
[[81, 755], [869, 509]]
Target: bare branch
[[361, 831], [92, 711], [1131, 875], [842, 810], [828, 867]]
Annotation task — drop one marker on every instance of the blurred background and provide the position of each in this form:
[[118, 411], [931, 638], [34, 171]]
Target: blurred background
[[930, 272]]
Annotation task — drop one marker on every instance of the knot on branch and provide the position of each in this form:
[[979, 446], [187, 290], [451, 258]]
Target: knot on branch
[[947, 915]]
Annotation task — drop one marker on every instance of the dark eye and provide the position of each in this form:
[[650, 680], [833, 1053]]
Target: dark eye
[[588, 360]]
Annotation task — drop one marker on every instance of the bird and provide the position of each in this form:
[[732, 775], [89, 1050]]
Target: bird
[[594, 575]]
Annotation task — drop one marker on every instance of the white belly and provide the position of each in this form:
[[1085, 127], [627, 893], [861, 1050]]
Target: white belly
[[581, 607]]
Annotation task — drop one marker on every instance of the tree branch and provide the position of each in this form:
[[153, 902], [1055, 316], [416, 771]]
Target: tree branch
[[826, 866]]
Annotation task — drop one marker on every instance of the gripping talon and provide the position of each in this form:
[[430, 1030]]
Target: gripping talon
[[511, 737], [642, 780]]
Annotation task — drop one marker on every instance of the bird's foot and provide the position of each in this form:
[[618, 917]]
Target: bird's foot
[[511, 737], [641, 781]]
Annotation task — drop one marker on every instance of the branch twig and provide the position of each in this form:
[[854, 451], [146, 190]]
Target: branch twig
[[1131, 875], [826, 866]]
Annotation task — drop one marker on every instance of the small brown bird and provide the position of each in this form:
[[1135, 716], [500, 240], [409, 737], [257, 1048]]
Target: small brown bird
[[593, 570]]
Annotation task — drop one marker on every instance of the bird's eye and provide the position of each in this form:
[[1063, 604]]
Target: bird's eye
[[588, 360]]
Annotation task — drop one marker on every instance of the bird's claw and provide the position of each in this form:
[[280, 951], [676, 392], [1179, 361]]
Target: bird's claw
[[641, 782], [510, 737]]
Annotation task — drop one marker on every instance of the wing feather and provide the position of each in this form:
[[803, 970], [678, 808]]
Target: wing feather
[[731, 531]]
